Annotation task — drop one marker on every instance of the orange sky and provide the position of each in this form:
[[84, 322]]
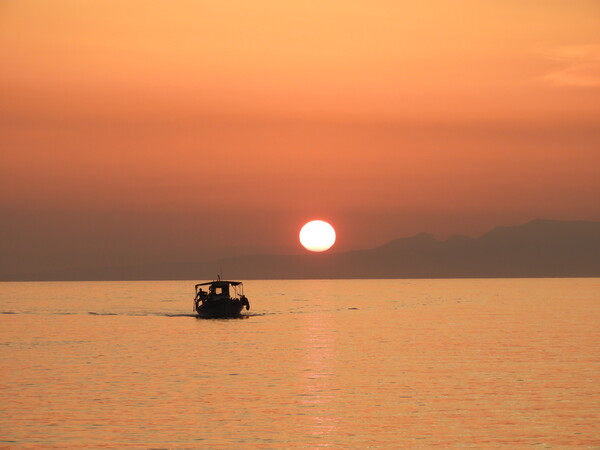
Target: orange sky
[[151, 130]]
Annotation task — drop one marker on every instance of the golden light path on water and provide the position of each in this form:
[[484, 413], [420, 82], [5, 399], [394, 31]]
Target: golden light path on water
[[318, 373]]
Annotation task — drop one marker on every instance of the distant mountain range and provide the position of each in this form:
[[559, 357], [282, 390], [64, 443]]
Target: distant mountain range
[[540, 248]]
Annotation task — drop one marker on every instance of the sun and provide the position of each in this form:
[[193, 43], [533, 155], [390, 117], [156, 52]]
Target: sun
[[317, 236]]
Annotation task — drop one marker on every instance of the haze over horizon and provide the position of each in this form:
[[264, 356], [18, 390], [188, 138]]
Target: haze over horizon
[[147, 131]]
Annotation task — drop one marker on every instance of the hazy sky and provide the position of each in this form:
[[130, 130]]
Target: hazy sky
[[135, 131]]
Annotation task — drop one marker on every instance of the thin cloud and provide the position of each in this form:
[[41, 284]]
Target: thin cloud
[[580, 66]]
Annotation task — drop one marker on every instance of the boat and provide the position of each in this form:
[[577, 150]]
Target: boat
[[223, 299]]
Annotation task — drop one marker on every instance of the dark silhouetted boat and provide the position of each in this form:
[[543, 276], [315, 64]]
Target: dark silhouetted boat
[[223, 299]]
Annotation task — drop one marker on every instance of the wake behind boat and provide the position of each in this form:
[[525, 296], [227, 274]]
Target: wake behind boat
[[223, 299]]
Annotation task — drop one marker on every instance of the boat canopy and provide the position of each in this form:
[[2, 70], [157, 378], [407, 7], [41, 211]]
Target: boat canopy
[[219, 283]]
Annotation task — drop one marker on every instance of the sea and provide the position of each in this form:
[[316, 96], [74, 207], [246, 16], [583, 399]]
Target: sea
[[461, 363]]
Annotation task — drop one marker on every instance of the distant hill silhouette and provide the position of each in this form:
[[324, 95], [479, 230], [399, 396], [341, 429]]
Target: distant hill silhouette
[[540, 248]]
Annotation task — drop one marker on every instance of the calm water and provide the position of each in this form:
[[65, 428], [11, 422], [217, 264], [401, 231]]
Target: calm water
[[361, 363]]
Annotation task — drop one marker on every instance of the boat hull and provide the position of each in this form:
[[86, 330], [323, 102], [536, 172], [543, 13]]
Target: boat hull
[[220, 308]]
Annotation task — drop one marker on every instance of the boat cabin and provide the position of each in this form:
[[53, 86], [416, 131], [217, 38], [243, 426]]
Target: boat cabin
[[220, 289]]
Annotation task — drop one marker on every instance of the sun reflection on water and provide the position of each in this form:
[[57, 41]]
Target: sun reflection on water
[[318, 377]]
